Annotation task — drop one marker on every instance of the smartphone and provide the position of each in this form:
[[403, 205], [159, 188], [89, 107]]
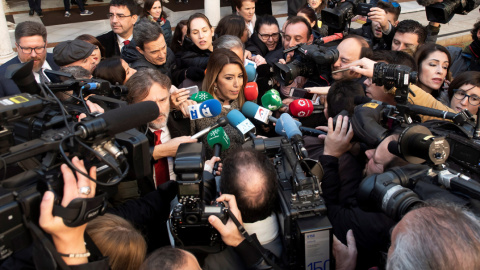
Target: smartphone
[[297, 93], [192, 89], [363, 9]]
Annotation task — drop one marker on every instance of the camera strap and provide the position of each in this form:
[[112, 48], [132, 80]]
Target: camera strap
[[81, 210], [267, 255]]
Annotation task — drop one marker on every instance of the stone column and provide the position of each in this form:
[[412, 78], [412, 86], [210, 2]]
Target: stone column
[[212, 11], [6, 51]]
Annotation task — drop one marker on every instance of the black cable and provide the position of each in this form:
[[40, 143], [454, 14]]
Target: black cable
[[83, 101], [62, 108]]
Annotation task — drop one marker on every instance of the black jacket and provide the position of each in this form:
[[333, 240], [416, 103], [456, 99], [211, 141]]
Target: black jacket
[[256, 46], [137, 61], [193, 56], [109, 42], [384, 43]]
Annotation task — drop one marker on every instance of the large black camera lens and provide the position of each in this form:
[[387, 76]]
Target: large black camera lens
[[391, 75], [287, 73], [442, 12]]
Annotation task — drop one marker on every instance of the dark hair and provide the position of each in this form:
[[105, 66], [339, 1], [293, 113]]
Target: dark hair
[[254, 207], [467, 77], [475, 29], [299, 19], [166, 258], [389, 8], [423, 52], [28, 29], [196, 16], [92, 40], [238, 3], [140, 83], [265, 19], [111, 69], [147, 6], [232, 24], [395, 57], [413, 27], [176, 44], [132, 5], [312, 17], [146, 31], [366, 50], [319, 9], [340, 96]]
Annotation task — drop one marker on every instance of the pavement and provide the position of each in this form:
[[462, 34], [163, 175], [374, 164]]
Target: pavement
[[456, 31]]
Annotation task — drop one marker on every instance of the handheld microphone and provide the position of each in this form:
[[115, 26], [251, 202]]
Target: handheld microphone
[[293, 133], [221, 122], [252, 110], [251, 91], [201, 96], [272, 100], [208, 108], [118, 120], [303, 107], [305, 130], [251, 71], [336, 36], [218, 141], [242, 124]]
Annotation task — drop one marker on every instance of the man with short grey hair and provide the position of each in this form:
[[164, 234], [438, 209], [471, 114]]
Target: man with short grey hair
[[31, 43]]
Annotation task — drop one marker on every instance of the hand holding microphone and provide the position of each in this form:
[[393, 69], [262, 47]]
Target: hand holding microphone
[[219, 141]]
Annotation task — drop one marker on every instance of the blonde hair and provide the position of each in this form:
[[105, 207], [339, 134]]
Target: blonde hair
[[116, 238], [218, 59]]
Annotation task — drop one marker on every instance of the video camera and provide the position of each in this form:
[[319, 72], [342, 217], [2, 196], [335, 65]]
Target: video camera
[[338, 17], [189, 219], [443, 12], [107, 141], [306, 230], [307, 61]]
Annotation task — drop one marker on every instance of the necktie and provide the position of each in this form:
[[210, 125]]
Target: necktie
[[126, 42], [43, 77], [162, 173]]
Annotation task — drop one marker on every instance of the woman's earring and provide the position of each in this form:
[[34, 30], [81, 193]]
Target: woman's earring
[[215, 89]]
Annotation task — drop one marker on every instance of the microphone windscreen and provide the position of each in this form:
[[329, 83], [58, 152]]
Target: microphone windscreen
[[251, 91], [131, 116], [249, 109], [251, 72], [210, 108], [201, 96], [289, 125], [279, 127], [272, 100], [218, 136], [301, 107], [235, 117]]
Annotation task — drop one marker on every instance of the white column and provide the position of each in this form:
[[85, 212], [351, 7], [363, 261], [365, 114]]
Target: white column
[[6, 51], [212, 11]]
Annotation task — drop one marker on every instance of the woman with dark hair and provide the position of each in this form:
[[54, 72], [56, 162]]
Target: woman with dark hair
[[433, 63], [178, 37], [464, 92], [115, 70], [233, 25], [97, 54], [225, 80], [153, 10], [266, 39], [309, 14], [318, 6]]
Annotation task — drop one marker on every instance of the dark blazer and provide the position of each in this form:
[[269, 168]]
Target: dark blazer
[[8, 86], [109, 42]]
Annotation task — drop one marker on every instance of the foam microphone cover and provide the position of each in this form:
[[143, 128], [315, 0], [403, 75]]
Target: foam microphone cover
[[235, 117], [251, 91], [289, 125], [218, 136], [301, 107], [210, 108], [251, 72], [272, 100], [201, 96], [279, 127], [249, 109]]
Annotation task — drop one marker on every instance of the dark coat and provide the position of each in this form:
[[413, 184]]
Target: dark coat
[[109, 42], [384, 43], [8, 86], [256, 46], [192, 55]]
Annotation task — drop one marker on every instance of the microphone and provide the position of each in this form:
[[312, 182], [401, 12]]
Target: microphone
[[221, 122], [251, 91], [208, 108], [272, 100], [336, 36], [251, 71], [218, 141], [252, 110], [293, 133], [242, 124], [201, 96], [305, 130], [303, 107], [118, 120]]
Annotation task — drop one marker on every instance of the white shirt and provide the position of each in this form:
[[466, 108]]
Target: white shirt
[[120, 41], [165, 137], [266, 230], [44, 66]]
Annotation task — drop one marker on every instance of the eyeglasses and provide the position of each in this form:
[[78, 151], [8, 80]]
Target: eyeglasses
[[265, 37], [394, 4], [460, 94], [119, 16], [38, 50]]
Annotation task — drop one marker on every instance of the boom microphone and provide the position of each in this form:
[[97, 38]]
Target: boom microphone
[[208, 108], [221, 122], [251, 91], [118, 120], [242, 124]]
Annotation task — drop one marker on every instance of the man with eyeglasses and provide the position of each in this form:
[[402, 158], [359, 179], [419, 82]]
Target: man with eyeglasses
[[31, 43], [122, 15], [380, 30]]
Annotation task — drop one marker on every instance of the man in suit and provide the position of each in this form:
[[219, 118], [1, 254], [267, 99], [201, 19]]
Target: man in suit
[[31, 43], [122, 15]]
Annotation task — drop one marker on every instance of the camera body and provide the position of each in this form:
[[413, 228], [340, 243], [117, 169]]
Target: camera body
[[338, 17], [443, 12]]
